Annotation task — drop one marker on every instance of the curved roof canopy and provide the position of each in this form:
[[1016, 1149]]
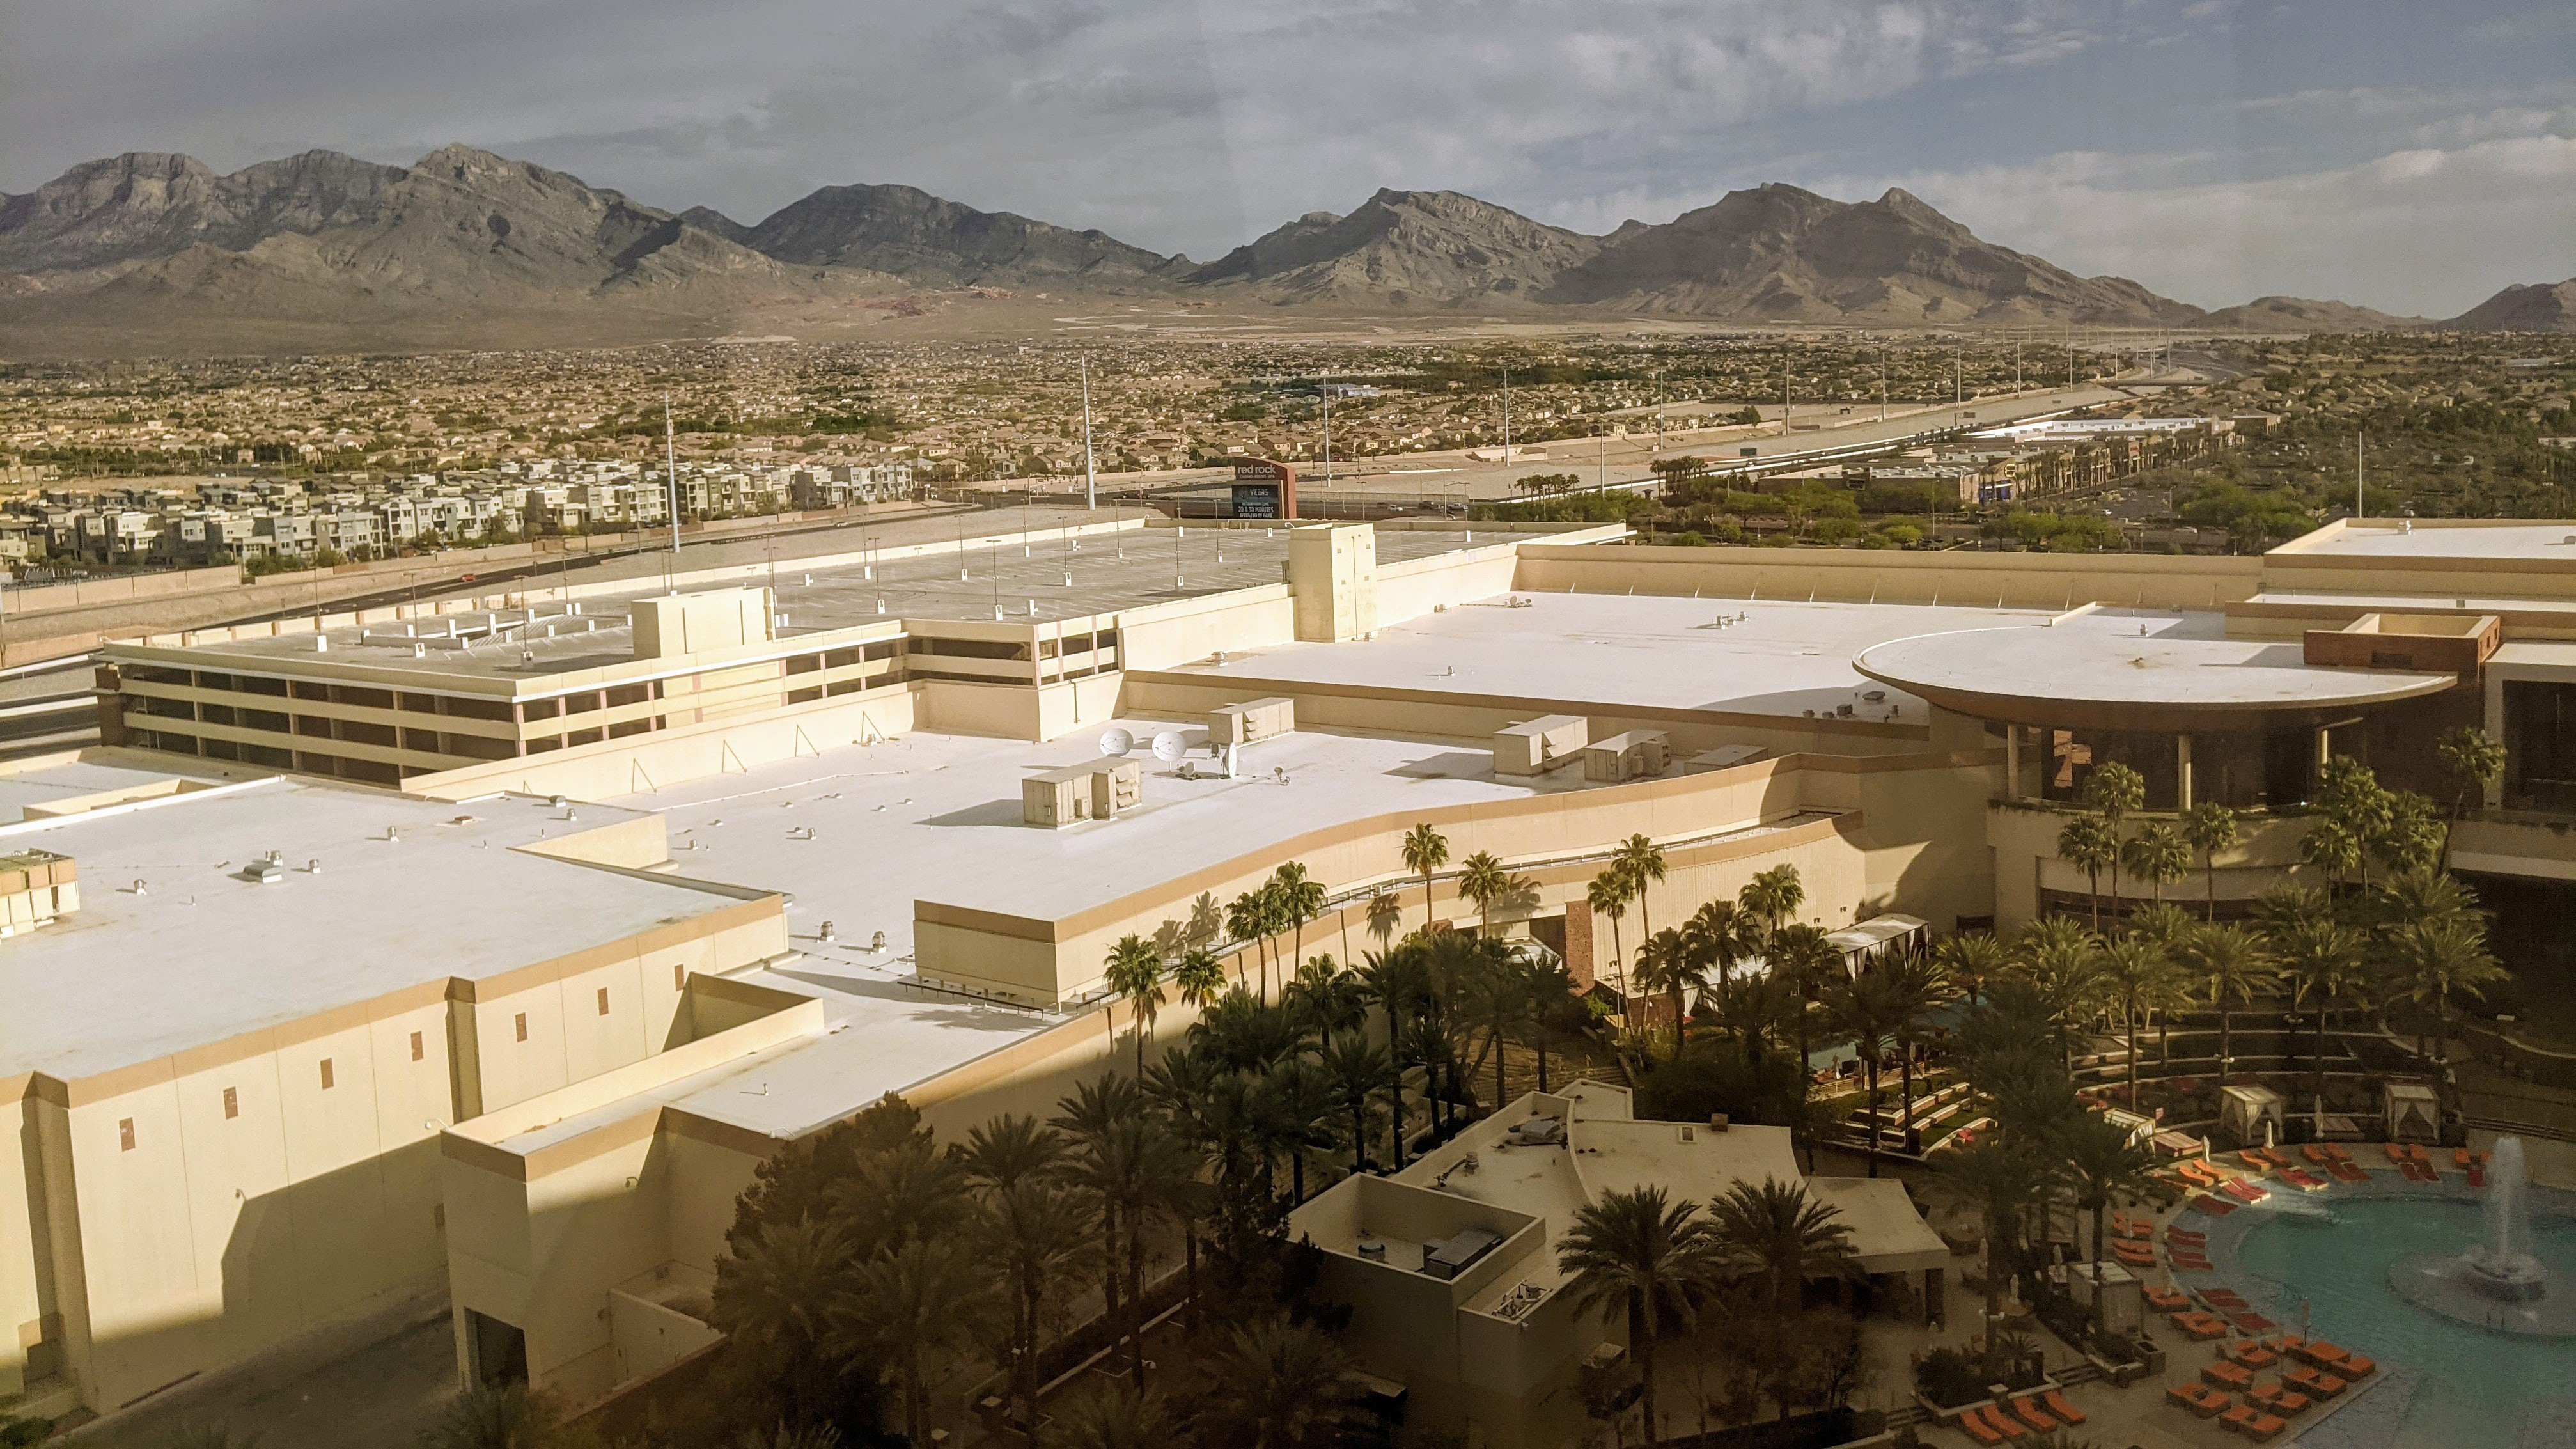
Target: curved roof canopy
[[2077, 677]]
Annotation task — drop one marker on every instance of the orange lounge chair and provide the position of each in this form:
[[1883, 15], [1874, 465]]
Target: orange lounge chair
[[2324, 1354], [2460, 1158], [2315, 1154], [2265, 1394], [2238, 1417], [2302, 1377], [2354, 1366], [1974, 1426], [2186, 1395], [2396, 1154], [2290, 1402], [2212, 1403], [2233, 1376], [2002, 1423], [2032, 1414], [2057, 1405], [2253, 1355], [2264, 1427]]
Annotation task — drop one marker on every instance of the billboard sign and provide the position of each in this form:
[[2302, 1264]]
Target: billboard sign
[[1264, 488]]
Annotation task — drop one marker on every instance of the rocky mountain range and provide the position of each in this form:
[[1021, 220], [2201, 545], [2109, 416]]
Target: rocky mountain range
[[152, 251], [2538, 308]]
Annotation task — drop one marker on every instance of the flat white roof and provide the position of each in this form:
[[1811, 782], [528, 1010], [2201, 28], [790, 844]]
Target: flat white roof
[[2496, 542], [200, 953], [2128, 658], [1602, 651], [858, 833]]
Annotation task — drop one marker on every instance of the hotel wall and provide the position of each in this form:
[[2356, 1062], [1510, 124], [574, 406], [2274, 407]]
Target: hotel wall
[[2023, 836], [1909, 836], [267, 1200], [259, 1200], [1888, 576]]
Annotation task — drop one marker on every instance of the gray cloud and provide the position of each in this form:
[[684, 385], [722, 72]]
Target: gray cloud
[[1193, 124]]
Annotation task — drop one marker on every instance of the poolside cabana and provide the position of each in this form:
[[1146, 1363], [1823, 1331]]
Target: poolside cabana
[[2252, 1115], [2414, 1112]]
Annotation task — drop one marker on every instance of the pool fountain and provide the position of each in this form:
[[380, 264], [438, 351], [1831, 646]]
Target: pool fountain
[[2499, 1283]]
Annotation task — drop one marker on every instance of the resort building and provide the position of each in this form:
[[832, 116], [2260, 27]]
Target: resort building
[[477, 951]]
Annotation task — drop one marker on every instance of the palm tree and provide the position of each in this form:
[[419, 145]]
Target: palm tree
[[1039, 1236], [1358, 1070], [2426, 961], [1301, 899], [1199, 979], [1135, 976], [1425, 851], [1970, 958], [1916, 983], [2102, 1164], [2088, 844], [1011, 1150], [1722, 933], [2062, 962], [2209, 828], [1547, 988], [1482, 879], [2322, 961], [2114, 791], [1093, 1117], [1666, 963], [1774, 895], [1636, 1252], [1863, 1008], [1117, 1417], [910, 1308], [1395, 981], [1608, 895], [1247, 920], [1804, 960], [2159, 855], [1643, 860], [1280, 1385], [2232, 967], [2000, 1177], [1789, 1235], [765, 1301], [2130, 967]]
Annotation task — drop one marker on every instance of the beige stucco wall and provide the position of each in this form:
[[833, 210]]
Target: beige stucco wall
[[216, 1238], [642, 764], [1909, 836], [2023, 836], [1890, 576]]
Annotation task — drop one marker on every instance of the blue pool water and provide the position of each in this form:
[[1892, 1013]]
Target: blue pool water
[[2476, 1387]]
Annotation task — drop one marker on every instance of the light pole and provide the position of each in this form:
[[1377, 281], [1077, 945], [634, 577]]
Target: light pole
[[1090, 470]]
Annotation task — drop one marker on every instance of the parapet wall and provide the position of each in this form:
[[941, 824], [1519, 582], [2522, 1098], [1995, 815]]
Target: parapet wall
[[1959, 579]]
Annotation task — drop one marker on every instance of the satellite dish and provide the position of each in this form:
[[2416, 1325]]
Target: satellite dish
[[1117, 742], [1170, 746]]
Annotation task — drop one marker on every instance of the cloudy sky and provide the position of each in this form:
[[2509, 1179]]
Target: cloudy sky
[[2408, 156]]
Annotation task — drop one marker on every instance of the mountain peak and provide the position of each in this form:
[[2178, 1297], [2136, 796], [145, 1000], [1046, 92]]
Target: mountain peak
[[1783, 253]]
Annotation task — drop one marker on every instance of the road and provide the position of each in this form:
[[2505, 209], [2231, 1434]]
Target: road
[[1814, 432]]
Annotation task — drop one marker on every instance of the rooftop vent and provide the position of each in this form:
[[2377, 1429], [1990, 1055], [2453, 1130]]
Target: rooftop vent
[[1373, 1249], [1447, 1259]]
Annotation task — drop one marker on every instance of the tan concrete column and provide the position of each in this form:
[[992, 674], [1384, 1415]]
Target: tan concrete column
[[2012, 762], [2182, 772]]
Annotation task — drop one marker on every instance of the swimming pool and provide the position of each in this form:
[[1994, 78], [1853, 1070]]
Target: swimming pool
[[2476, 1387]]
